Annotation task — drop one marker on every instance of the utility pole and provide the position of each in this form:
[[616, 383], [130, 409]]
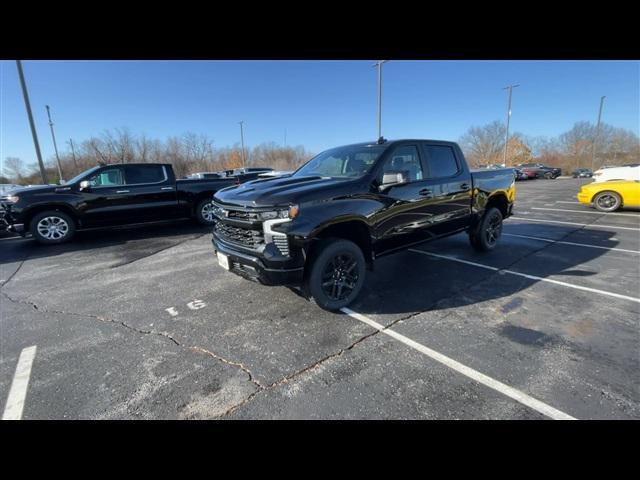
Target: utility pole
[[595, 140], [242, 142], [27, 104], [285, 138], [55, 147], [506, 138], [379, 65], [73, 154]]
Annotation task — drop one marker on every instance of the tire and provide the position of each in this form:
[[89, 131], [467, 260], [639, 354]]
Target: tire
[[337, 264], [486, 235], [204, 211], [607, 201], [52, 227]]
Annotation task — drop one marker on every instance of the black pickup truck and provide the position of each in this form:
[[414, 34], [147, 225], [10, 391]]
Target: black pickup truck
[[109, 195], [322, 226]]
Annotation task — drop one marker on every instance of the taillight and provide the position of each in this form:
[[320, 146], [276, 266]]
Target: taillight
[[237, 181]]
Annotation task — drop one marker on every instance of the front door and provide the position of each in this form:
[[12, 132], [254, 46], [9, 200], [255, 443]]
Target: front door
[[405, 219]]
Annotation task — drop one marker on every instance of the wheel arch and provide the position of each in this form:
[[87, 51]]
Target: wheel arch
[[35, 210], [356, 231]]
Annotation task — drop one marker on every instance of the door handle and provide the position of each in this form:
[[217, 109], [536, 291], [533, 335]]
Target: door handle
[[425, 192], [465, 187], [122, 191], [166, 188]]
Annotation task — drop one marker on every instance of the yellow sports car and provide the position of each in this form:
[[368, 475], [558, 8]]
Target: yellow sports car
[[611, 195]]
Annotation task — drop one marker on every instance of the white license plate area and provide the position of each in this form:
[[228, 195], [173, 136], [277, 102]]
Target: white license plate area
[[223, 260]]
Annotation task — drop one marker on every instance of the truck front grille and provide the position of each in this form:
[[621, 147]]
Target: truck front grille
[[241, 236]]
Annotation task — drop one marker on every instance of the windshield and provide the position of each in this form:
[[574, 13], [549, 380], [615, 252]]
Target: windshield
[[342, 162], [80, 175]]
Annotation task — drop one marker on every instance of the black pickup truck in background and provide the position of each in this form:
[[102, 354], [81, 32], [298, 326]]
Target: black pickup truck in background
[[110, 195], [324, 225]]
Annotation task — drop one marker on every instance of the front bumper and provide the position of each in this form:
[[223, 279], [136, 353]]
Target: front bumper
[[584, 197], [255, 268]]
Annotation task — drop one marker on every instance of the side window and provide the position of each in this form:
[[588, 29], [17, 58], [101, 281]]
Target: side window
[[144, 174], [442, 161], [108, 177], [404, 159]]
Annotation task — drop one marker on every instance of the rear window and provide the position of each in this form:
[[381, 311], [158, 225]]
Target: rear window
[[442, 161], [144, 174]]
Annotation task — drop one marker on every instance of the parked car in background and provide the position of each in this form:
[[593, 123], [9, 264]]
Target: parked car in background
[[582, 173], [323, 226], [627, 172], [611, 195], [542, 171], [203, 175], [529, 172], [520, 175], [109, 195], [275, 173]]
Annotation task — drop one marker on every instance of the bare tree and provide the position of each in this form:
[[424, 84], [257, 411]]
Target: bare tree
[[484, 144], [13, 167]]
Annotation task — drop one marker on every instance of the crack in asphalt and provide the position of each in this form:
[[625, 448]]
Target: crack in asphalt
[[15, 272]]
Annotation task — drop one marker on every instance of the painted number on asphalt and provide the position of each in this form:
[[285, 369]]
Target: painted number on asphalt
[[194, 305]]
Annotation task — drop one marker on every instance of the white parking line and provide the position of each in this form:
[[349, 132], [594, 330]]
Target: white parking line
[[18, 392], [531, 277], [485, 380], [571, 243], [586, 211], [589, 225]]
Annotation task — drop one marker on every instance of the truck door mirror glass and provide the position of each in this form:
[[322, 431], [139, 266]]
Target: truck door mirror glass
[[391, 178], [85, 184]]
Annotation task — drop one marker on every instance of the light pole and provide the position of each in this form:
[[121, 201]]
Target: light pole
[[27, 104], [595, 139], [379, 65], [506, 138], [242, 142], [55, 147]]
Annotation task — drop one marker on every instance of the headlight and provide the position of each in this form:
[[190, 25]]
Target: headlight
[[292, 212], [12, 199]]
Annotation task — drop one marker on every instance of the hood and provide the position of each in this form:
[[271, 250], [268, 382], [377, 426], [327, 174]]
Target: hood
[[282, 191], [36, 189]]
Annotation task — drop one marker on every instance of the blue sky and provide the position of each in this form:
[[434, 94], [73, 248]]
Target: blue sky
[[320, 103]]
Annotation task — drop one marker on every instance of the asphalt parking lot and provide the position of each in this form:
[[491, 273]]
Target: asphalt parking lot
[[143, 324]]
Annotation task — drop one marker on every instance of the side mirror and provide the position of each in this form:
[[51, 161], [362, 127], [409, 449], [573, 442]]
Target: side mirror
[[84, 185], [391, 179]]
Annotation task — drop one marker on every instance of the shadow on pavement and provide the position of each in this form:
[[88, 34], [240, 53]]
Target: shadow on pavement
[[409, 282], [136, 241]]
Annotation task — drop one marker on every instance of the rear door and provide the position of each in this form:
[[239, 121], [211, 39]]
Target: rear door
[[450, 188], [150, 192]]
